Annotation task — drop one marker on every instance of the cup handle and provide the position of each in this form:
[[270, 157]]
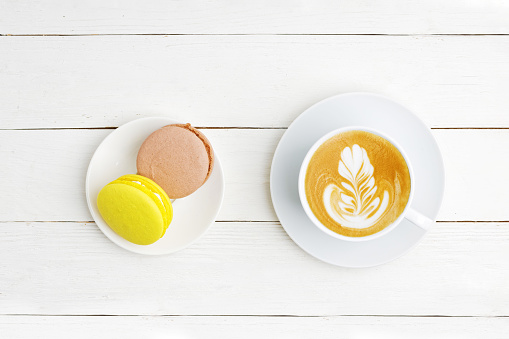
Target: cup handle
[[418, 219]]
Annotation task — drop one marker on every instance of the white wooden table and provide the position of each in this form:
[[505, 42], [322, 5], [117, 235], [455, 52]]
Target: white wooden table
[[71, 71]]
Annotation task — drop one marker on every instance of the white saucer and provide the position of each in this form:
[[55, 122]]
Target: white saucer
[[192, 215], [379, 113]]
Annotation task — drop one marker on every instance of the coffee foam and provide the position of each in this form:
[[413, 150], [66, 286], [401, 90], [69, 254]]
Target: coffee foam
[[357, 183]]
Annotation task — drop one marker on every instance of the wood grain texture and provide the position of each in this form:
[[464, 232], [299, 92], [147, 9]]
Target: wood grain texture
[[71, 268], [44, 173], [259, 81], [24, 327], [258, 17]]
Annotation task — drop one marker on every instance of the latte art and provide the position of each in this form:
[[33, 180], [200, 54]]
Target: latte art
[[356, 205], [357, 183]]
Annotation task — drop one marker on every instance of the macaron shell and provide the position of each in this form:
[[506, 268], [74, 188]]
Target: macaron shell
[[150, 187], [149, 194], [155, 188], [206, 143], [131, 213], [177, 158]]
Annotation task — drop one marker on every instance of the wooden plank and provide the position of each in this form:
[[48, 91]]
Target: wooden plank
[[252, 327], [224, 17], [460, 269], [260, 81], [44, 172]]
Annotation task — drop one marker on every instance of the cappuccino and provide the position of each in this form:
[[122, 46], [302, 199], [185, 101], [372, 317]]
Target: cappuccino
[[357, 183]]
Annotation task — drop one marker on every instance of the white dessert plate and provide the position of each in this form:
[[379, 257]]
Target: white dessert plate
[[192, 215], [372, 111]]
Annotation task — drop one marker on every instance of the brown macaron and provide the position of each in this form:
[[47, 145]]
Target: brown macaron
[[179, 158]]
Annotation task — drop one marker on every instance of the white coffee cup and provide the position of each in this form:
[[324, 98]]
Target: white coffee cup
[[408, 213]]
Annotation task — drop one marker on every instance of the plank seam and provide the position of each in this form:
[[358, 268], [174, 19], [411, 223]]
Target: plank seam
[[222, 128], [115, 127], [254, 34], [234, 221], [258, 315]]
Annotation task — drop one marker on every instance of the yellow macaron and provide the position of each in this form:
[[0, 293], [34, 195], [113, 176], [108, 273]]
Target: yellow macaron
[[136, 208]]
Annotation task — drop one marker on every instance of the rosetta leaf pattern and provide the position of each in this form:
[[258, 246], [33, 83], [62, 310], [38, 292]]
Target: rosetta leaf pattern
[[355, 203]]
